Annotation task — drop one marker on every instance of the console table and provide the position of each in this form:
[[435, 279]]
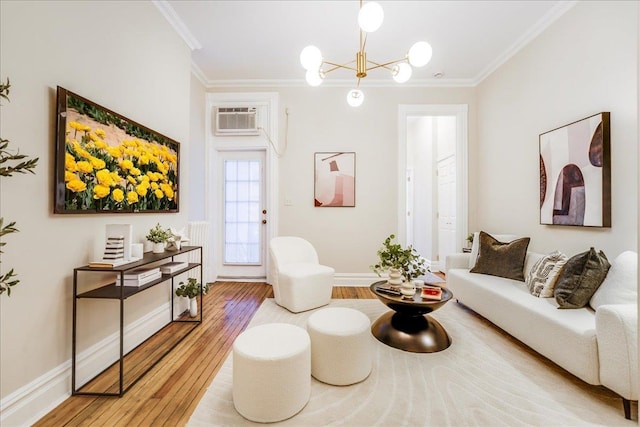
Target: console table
[[175, 330]]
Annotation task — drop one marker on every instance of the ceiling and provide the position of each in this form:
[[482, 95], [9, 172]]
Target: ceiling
[[258, 43]]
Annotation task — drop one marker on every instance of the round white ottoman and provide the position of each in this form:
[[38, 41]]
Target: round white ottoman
[[271, 372], [341, 345]]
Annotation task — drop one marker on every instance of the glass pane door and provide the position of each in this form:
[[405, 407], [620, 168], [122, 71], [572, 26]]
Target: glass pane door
[[243, 214]]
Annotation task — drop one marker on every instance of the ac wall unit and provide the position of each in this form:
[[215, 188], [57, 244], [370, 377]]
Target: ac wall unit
[[236, 121]]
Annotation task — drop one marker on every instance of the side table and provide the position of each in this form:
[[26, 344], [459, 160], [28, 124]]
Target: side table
[[408, 327]]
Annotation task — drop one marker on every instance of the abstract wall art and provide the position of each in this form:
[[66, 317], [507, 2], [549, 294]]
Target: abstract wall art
[[575, 173], [334, 180]]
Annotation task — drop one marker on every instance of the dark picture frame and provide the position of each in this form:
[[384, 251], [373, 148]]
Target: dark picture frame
[[575, 173], [107, 163], [334, 179]]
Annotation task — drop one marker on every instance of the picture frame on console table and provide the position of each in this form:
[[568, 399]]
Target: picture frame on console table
[[107, 163], [334, 179], [575, 173]]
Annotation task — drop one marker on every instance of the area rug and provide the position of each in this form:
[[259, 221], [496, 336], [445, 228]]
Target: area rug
[[485, 378]]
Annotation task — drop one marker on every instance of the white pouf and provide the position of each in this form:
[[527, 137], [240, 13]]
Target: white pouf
[[341, 345], [271, 372]]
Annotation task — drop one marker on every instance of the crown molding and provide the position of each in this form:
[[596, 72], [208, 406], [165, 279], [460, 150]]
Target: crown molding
[[349, 83], [549, 18], [199, 74], [170, 15]]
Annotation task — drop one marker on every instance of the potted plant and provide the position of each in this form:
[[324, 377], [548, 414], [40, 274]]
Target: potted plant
[[470, 240], [158, 236], [191, 290], [400, 262]]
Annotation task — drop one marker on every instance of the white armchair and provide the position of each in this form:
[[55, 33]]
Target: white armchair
[[300, 283]]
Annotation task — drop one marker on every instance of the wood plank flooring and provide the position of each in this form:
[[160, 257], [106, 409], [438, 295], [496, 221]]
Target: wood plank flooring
[[168, 394]]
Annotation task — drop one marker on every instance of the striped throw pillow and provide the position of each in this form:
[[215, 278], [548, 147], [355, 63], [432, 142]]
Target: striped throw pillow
[[544, 274]]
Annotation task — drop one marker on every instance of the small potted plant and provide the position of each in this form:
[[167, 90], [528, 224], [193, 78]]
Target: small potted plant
[[158, 236], [191, 290], [470, 240], [400, 262]]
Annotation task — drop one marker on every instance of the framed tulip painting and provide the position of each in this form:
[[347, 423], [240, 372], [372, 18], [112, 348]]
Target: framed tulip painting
[[575, 174], [107, 163]]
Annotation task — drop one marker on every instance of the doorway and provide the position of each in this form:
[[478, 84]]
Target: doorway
[[433, 192], [241, 191], [243, 214]]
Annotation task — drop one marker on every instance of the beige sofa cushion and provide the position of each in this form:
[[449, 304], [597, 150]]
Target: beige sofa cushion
[[620, 286]]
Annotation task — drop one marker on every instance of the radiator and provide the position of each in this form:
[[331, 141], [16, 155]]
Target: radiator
[[198, 232]]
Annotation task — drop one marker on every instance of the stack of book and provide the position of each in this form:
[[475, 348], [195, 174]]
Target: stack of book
[[114, 248], [172, 267], [140, 276], [431, 292]]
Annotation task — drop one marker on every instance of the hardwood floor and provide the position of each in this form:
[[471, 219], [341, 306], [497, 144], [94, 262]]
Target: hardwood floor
[[168, 394]]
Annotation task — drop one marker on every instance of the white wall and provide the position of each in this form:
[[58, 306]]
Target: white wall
[[585, 63], [196, 151], [130, 61], [321, 120]]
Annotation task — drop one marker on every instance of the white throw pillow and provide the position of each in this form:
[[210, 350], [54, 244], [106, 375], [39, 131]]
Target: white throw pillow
[[475, 247], [620, 286], [544, 274]]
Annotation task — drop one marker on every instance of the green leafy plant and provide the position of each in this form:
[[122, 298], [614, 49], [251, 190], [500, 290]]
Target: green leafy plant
[[407, 260], [7, 280], [191, 289], [470, 238], [158, 235]]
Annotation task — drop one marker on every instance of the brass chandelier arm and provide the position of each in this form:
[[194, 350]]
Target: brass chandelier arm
[[336, 66], [386, 64]]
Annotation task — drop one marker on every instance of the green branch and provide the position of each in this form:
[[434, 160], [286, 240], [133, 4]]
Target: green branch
[[8, 280]]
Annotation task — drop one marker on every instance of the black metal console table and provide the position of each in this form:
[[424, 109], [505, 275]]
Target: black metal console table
[[121, 293]]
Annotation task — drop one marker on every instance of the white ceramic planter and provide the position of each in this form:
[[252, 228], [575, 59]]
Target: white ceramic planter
[[193, 307]]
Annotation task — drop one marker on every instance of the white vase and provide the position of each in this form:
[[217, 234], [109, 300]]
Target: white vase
[[407, 288], [158, 248], [193, 307], [395, 277], [147, 246]]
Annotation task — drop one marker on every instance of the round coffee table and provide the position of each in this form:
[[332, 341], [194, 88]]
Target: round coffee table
[[408, 327]]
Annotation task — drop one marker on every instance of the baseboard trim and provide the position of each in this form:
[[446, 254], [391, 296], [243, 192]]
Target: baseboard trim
[[31, 402], [355, 279]]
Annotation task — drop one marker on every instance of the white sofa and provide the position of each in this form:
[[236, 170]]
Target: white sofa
[[598, 346]]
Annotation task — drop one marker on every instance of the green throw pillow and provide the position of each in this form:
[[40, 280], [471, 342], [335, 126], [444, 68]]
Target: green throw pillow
[[580, 278], [501, 259]]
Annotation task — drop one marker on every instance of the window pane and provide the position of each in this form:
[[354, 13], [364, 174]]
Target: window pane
[[243, 217], [230, 170], [243, 171]]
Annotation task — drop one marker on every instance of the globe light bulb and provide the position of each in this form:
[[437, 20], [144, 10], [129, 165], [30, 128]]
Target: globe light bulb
[[401, 72], [420, 54], [314, 77], [370, 17], [355, 97], [311, 58]]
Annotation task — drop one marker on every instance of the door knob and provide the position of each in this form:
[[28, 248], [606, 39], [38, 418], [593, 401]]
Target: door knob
[[264, 221]]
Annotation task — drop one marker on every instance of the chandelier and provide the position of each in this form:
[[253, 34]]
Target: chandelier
[[370, 19]]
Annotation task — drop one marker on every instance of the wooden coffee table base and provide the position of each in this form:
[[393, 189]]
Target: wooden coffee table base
[[414, 333]]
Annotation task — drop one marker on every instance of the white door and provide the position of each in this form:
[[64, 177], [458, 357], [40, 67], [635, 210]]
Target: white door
[[446, 207], [242, 209]]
